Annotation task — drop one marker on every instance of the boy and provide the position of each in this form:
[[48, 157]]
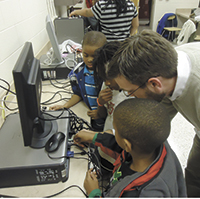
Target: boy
[[147, 166], [109, 97], [82, 78]]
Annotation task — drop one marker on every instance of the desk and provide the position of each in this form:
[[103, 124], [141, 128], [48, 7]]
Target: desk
[[184, 12], [183, 15], [77, 167]]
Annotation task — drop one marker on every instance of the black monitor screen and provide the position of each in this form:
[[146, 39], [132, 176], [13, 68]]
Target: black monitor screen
[[28, 85]]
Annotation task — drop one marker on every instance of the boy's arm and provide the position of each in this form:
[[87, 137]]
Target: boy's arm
[[106, 141], [91, 184], [105, 95], [100, 112], [103, 140], [74, 100]]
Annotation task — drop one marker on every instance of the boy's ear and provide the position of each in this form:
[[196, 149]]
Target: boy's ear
[[128, 145], [154, 84]]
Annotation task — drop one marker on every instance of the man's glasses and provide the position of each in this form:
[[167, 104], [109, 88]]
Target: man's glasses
[[127, 94]]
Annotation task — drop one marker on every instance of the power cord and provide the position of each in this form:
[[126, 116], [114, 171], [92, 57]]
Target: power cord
[[66, 190], [53, 195]]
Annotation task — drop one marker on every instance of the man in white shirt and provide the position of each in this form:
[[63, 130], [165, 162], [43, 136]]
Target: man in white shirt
[[148, 66]]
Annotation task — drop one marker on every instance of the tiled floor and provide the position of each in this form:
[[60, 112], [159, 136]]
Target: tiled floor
[[181, 138]]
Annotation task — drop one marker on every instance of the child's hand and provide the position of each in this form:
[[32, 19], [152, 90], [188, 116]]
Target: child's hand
[[84, 136], [93, 114], [105, 96], [56, 107], [90, 182]]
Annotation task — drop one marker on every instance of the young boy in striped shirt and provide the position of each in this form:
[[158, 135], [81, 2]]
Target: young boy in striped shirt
[[82, 78]]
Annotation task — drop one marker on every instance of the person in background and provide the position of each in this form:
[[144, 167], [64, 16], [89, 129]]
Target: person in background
[[148, 66], [146, 166], [118, 19], [91, 23], [82, 78]]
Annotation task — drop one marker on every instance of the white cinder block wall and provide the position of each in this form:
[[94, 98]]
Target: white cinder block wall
[[159, 7], [20, 21], [24, 20]]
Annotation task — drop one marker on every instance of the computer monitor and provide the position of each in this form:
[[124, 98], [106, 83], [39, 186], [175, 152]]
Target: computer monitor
[[35, 126], [56, 58]]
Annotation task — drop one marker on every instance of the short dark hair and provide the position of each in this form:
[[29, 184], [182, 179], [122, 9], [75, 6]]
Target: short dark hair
[[143, 56], [143, 122], [94, 38], [102, 58]]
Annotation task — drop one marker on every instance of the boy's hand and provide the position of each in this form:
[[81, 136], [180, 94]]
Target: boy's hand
[[56, 107], [93, 114], [84, 136], [105, 96], [90, 182]]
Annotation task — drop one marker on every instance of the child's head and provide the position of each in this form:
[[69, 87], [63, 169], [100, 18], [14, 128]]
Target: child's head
[[92, 40], [144, 123], [101, 61]]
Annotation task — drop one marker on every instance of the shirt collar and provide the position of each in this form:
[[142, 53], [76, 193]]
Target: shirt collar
[[86, 71], [183, 72]]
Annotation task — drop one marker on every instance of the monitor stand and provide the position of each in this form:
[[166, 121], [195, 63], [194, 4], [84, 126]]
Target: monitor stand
[[21, 166]]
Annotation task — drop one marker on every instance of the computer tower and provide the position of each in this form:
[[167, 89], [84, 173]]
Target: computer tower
[[69, 28], [21, 166]]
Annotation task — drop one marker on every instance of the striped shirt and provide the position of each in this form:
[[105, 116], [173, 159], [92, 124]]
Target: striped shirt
[[90, 88], [114, 27]]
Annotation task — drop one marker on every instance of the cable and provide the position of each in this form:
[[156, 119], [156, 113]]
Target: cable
[[8, 101], [65, 156], [54, 95], [53, 195], [45, 103], [62, 81], [76, 123], [5, 105], [7, 196], [54, 117], [66, 63], [7, 89], [62, 87], [66, 81], [67, 189]]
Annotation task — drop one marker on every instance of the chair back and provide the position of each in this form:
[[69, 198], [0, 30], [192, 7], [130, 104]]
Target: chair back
[[167, 20]]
